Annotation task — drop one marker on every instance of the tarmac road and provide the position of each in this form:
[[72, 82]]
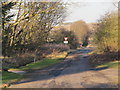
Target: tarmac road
[[74, 72]]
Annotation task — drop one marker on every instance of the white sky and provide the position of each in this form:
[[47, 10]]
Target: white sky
[[88, 10]]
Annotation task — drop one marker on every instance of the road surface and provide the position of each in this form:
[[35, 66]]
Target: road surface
[[74, 72]]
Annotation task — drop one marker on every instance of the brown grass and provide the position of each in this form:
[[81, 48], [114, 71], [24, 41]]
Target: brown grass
[[97, 59]]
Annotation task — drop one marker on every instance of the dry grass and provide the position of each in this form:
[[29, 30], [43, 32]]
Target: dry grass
[[101, 58]]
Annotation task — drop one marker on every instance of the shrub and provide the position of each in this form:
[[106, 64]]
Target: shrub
[[27, 57], [106, 36], [17, 61], [58, 37]]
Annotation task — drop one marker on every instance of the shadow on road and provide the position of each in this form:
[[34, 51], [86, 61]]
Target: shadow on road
[[77, 64]]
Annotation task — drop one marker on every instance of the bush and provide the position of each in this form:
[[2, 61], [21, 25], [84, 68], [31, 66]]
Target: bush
[[106, 36], [58, 37], [17, 61], [97, 59], [27, 57], [46, 49]]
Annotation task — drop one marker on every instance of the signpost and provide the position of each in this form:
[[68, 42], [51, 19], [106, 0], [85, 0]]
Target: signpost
[[66, 40]]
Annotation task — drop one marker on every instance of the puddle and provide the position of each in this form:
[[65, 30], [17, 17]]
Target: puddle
[[18, 72]]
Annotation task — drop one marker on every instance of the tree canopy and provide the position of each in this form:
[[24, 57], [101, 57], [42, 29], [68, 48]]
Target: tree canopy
[[81, 30], [29, 23]]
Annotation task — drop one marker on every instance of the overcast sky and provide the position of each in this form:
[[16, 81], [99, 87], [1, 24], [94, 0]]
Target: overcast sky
[[88, 10]]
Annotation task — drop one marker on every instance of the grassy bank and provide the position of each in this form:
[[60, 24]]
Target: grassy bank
[[109, 59], [48, 61], [112, 64], [9, 77], [39, 64]]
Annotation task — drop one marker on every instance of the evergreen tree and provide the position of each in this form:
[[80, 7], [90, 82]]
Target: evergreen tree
[[6, 29]]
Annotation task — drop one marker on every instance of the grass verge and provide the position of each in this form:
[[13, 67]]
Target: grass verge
[[9, 77], [40, 64], [109, 59], [112, 64], [48, 61]]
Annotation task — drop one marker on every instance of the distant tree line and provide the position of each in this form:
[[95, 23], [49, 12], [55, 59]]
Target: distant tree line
[[81, 30]]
